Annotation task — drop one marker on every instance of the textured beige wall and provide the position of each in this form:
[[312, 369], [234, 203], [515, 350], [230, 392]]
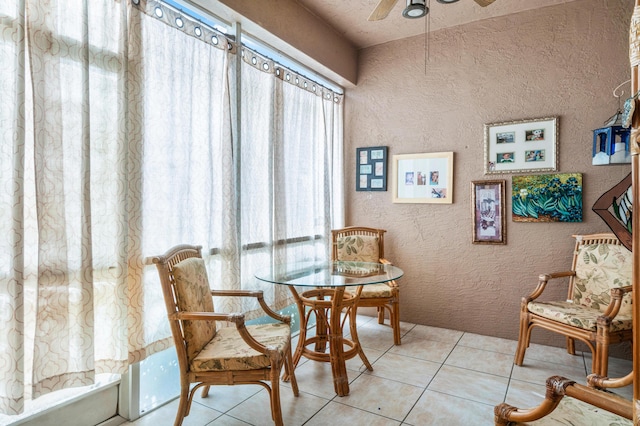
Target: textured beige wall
[[288, 26], [557, 61]]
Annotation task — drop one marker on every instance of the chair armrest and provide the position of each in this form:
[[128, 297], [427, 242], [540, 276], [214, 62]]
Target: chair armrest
[[616, 303], [557, 388], [391, 283], [235, 318], [207, 316], [601, 382], [543, 279], [257, 294]]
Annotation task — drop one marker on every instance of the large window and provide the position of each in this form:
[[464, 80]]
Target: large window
[[141, 142]]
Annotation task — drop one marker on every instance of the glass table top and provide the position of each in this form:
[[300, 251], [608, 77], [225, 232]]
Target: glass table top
[[330, 273]]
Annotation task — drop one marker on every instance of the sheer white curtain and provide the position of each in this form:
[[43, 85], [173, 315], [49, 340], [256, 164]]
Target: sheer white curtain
[[121, 150], [116, 144], [291, 188]]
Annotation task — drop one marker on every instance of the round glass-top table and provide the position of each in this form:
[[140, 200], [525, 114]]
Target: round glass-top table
[[331, 289]]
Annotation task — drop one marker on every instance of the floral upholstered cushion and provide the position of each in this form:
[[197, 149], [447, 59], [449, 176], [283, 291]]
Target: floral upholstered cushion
[[571, 412], [360, 248], [194, 295], [373, 291], [599, 268], [578, 316], [228, 351]]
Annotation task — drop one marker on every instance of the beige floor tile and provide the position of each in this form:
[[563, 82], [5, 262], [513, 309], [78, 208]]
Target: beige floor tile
[[435, 333], [315, 377], [494, 344], [525, 394], [223, 398], [227, 421], [385, 397], [435, 408], [472, 385], [481, 360], [356, 363], [198, 415], [295, 410], [339, 414], [420, 348], [375, 338], [403, 369], [537, 371], [554, 355]]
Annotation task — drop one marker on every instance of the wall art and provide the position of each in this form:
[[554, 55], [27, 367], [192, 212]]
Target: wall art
[[547, 198], [487, 211], [371, 168], [521, 146], [423, 178]]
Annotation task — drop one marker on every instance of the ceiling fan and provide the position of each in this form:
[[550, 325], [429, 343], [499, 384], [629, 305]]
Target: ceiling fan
[[414, 9]]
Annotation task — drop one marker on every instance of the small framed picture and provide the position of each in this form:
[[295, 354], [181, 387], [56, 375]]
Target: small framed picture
[[487, 211], [371, 168], [423, 178]]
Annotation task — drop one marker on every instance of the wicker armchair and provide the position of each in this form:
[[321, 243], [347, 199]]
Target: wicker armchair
[[244, 354], [367, 245], [598, 306]]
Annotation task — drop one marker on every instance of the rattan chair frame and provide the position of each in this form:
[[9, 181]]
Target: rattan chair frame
[[389, 304], [597, 341], [263, 377]]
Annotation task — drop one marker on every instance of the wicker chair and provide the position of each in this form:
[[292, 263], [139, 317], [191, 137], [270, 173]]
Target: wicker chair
[[244, 354], [367, 245], [598, 306], [569, 403]]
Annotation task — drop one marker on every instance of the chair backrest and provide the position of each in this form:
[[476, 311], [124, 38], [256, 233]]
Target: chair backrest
[[357, 243], [185, 288], [601, 263]]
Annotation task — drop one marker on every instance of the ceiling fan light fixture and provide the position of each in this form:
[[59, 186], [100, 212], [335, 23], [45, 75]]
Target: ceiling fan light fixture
[[415, 9]]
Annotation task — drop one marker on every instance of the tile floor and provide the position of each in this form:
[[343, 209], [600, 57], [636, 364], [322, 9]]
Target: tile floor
[[436, 377]]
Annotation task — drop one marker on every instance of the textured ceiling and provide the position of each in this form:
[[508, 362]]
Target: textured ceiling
[[349, 17]]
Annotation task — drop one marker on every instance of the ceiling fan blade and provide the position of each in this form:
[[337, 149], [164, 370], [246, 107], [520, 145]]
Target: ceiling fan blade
[[484, 3], [382, 10]]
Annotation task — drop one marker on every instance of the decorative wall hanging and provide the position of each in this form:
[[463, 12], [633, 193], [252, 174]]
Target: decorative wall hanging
[[547, 198], [521, 146], [487, 211], [611, 142], [423, 178], [615, 208], [371, 168]]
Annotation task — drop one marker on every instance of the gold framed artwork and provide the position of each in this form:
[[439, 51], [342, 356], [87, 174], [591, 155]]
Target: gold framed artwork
[[523, 146], [488, 212], [423, 178]]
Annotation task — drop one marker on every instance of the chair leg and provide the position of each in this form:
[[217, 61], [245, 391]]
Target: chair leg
[[571, 346], [380, 315], [289, 371], [205, 391], [523, 339], [276, 411], [395, 321], [183, 406]]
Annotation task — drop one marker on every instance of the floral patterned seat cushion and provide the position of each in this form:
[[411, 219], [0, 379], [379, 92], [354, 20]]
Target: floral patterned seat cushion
[[228, 351], [373, 291], [577, 316], [194, 295], [599, 268], [571, 412], [359, 248]]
